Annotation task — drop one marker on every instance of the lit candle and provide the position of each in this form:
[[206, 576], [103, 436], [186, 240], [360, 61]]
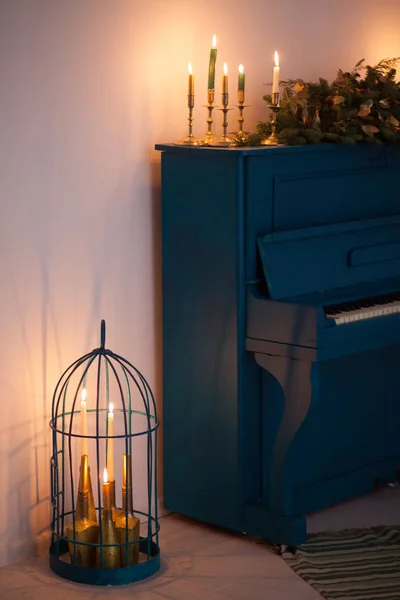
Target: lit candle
[[275, 81], [211, 66], [84, 446], [191, 80], [225, 80], [241, 79], [106, 492], [110, 442]]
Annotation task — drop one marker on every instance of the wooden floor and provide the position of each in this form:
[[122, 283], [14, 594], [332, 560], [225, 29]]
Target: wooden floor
[[203, 563]]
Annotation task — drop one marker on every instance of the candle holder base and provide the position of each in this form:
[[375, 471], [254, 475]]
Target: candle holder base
[[272, 140], [223, 141], [189, 141], [209, 140]]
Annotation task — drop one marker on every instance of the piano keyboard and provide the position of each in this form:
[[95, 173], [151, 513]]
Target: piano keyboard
[[366, 308]]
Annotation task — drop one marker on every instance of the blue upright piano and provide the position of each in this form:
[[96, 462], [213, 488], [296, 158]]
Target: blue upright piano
[[281, 331]]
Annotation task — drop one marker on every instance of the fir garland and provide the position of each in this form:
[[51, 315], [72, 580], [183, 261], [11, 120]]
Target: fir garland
[[350, 109]]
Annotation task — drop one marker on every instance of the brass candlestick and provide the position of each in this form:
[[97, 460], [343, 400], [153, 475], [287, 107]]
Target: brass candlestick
[[127, 525], [241, 107], [190, 140], [209, 139], [86, 528], [225, 140], [273, 140]]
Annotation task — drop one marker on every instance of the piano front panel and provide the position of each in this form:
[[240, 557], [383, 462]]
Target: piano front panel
[[334, 185], [324, 197]]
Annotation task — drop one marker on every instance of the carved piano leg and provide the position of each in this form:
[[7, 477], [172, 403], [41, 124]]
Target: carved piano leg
[[294, 377]]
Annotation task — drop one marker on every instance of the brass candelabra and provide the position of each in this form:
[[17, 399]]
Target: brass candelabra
[[273, 140]]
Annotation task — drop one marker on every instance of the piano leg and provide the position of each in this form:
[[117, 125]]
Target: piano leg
[[295, 378]]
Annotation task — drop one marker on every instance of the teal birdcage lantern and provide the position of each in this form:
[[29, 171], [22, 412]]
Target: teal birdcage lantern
[[104, 528]]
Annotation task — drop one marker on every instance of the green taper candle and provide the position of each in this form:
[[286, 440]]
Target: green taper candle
[[241, 79], [211, 67]]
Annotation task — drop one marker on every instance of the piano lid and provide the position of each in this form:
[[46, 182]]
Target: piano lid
[[333, 256]]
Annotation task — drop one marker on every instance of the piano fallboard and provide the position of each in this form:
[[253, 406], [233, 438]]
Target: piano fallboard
[[315, 259]]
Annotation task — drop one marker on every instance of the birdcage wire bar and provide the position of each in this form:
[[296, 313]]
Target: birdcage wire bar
[[130, 383]]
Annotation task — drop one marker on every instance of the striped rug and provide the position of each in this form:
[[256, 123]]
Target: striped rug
[[354, 564]]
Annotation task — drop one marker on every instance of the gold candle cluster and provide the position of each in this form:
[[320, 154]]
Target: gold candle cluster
[[118, 526]]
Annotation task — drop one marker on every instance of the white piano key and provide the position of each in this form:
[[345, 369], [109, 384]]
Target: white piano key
[[363, 314]]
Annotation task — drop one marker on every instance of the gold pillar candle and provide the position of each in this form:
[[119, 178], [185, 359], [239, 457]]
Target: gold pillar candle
[[85, 485], [108, 556], [211, 66], [86, 529], [126, 524]]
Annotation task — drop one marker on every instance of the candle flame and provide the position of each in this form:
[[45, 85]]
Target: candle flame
[[111, 408], [276, 59], [190, 69], [83, 395], [225, 69], [105, 475], [214, 41], [241, 69]]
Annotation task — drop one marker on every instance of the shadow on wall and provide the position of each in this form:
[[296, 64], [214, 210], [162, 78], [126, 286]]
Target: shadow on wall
[[25, 506], [45, 343]]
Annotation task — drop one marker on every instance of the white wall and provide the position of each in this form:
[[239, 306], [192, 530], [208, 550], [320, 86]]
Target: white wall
[[87, 88]]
